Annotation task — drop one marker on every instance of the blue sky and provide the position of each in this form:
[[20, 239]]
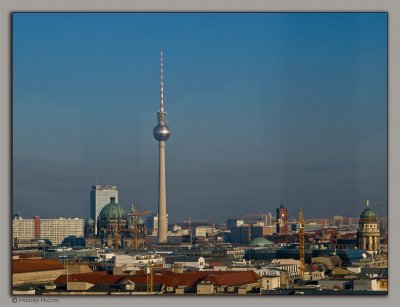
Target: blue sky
[[262, 107]]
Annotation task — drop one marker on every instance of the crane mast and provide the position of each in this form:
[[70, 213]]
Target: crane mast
[[301, 246], [134, 215], [150, 277], [189, 221]]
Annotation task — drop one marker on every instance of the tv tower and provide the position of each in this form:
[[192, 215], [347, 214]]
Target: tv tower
[[161, 133]]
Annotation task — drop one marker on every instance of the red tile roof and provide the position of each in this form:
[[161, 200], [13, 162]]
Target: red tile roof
[[168, 278], [30, 255], [216, 264], [35, 265], [234, 279], [102, 278]]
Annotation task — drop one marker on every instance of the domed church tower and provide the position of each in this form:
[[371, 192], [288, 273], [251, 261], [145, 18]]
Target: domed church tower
[[368, 234], [89, 228]]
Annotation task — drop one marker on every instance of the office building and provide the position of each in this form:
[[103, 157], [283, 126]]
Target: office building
[[267, 219]]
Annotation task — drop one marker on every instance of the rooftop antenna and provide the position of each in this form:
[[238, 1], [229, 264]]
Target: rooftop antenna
[[161, 82]]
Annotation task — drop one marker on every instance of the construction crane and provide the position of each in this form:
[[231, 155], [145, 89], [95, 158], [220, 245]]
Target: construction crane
[[381, 218], [150, 276], [301, 246], [249, 232], [134, 216]]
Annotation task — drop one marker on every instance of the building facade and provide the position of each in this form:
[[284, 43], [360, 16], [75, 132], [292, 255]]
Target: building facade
[[241, 235], [23, 229], [267, 219], [99, 197], [54, 230]]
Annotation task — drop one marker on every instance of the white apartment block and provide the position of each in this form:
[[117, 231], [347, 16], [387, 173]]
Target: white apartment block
[[53, 229], [57, 229], [23, 229]]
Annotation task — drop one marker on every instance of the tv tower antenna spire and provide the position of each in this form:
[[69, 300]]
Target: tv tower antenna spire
[[161, 82]]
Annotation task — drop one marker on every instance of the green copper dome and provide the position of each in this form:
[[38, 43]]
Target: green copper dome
[[112, 211], [89, 222], [368, 216], [260, 241], [140, 221]]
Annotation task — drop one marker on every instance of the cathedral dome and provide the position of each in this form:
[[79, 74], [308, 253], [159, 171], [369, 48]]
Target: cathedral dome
[[260, 241], [112, 211]]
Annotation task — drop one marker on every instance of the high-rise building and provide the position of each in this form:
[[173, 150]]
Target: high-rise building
[[267, 219], [100, 196], [161, 133]]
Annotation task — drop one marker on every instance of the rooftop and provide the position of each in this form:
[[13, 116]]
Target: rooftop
[[35, 265], [167, 278]]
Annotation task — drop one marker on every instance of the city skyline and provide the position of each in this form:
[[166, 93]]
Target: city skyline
[[254, 121]]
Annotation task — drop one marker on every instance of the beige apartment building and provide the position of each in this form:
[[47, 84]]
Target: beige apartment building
[[54, 230]]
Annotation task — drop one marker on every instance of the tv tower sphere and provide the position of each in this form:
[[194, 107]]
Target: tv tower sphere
[[161, 132]]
